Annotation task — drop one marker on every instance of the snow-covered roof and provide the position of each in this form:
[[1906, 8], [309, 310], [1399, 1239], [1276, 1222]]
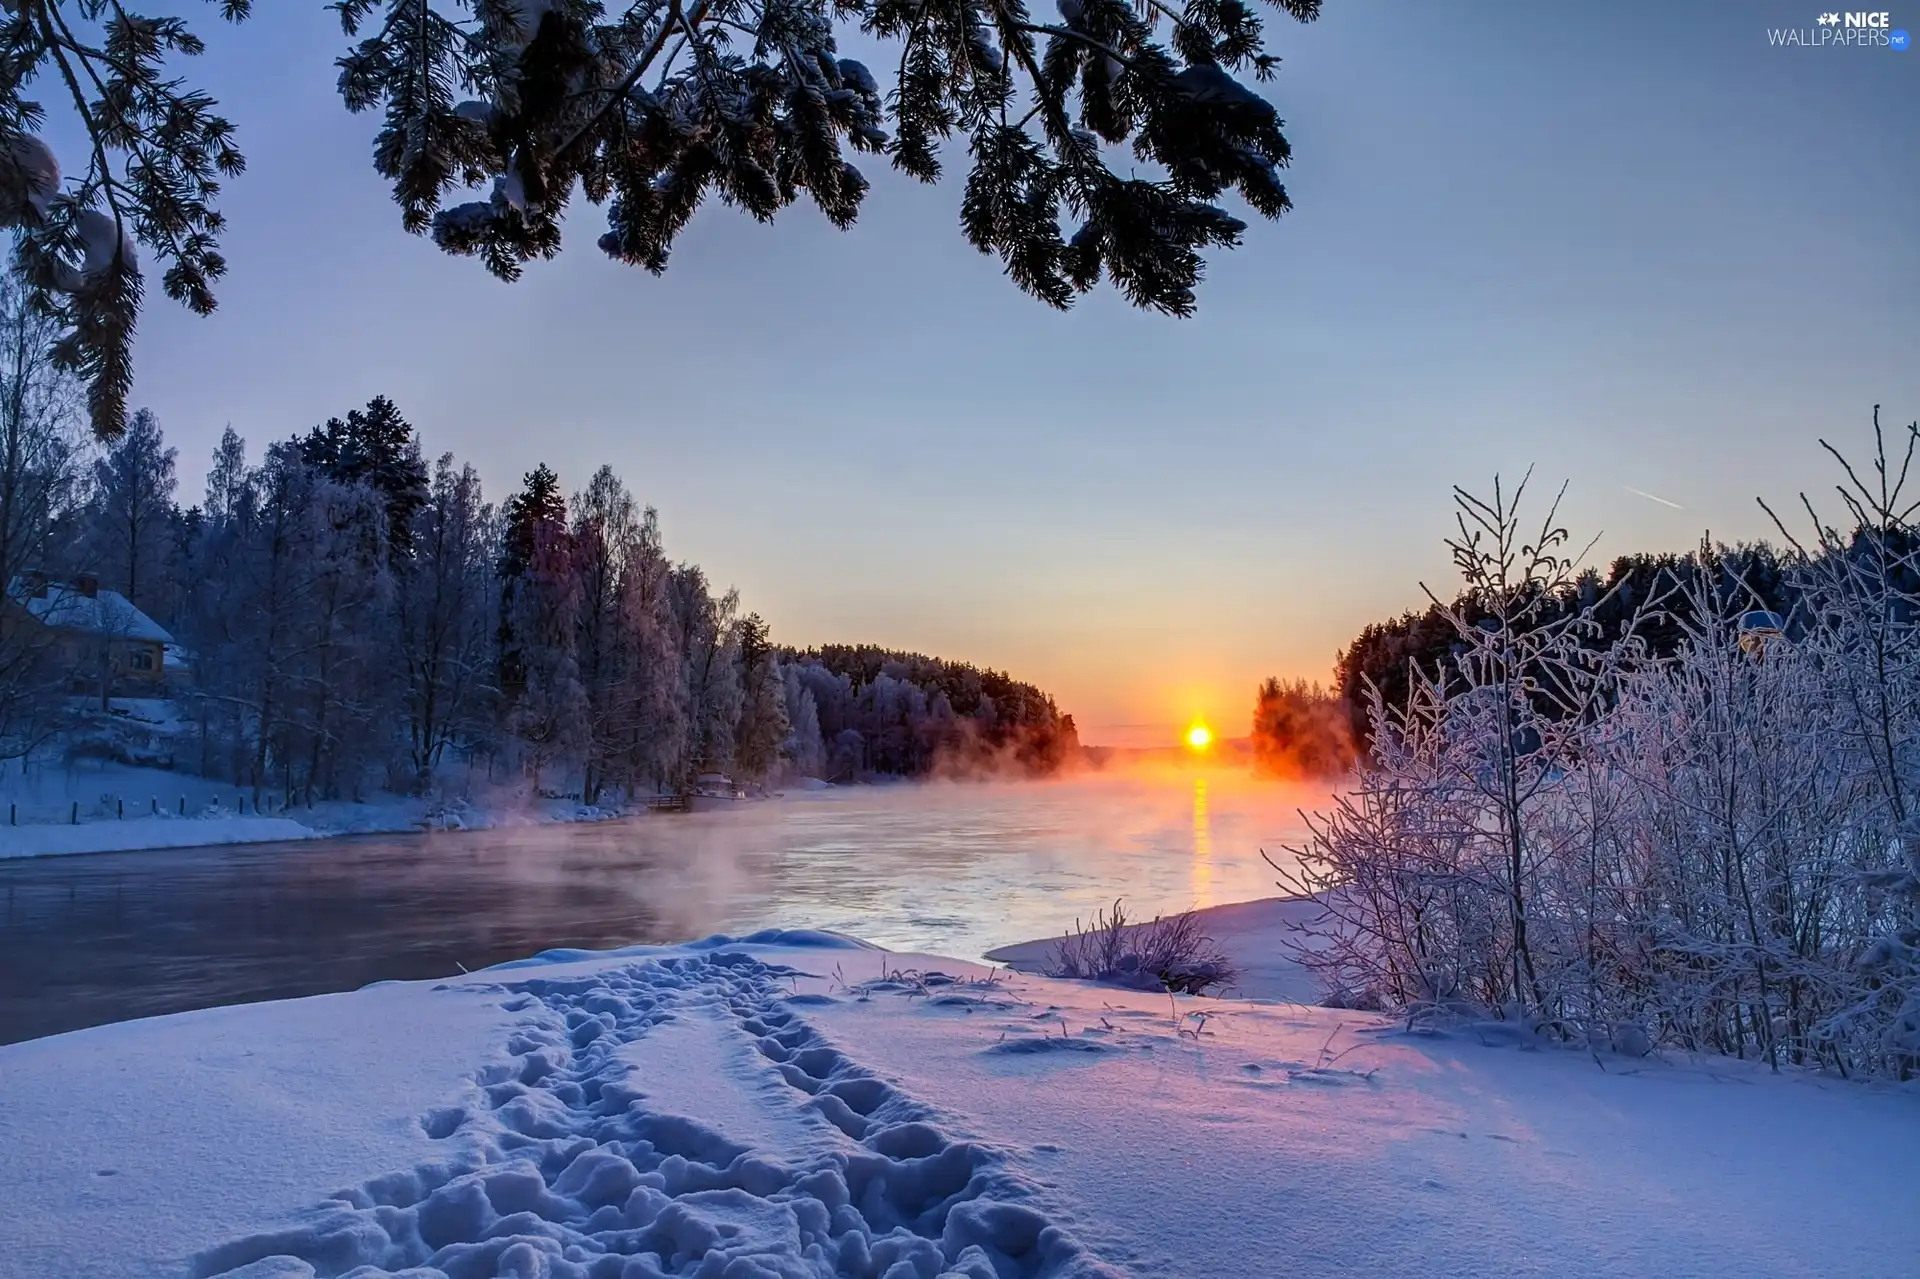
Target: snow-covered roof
[[66, 607]]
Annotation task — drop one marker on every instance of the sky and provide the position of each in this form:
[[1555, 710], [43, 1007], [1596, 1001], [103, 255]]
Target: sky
[[1633, 246]]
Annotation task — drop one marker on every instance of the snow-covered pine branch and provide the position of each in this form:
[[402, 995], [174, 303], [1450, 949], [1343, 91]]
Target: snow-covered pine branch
[[496, 114]]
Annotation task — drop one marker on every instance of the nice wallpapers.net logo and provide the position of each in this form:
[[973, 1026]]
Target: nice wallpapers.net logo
[[1841, 30]]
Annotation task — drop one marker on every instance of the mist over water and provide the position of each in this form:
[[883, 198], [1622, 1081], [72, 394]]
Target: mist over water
[[960, 869], [954, 869]]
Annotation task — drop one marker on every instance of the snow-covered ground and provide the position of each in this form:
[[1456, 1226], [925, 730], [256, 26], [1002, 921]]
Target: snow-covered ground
[[803, 1105], [48, 840], [1256, 935], [125, 807]]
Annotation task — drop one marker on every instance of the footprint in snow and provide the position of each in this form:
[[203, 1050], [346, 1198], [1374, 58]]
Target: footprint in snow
[[563, 1170]]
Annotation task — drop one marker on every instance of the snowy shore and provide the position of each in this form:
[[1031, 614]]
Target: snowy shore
[[49, 840], [1254, 934], [175, 810], [801, 1104]]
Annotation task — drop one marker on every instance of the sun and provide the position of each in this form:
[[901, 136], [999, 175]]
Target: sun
[[1199, 737]]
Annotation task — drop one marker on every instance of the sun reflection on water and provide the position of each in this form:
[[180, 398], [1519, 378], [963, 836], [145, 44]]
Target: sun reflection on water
[[1202, 846]]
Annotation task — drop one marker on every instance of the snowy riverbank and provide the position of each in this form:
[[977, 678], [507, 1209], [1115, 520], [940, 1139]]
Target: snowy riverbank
[[165, 809], [1255, 935], [677, 1110], [141, 833]]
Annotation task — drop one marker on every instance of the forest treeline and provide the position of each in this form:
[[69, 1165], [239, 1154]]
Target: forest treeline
[[358, 616], [1302, 728], [1651, 596]]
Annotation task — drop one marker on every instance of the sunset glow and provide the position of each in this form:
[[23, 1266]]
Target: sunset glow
[[1199, 737]]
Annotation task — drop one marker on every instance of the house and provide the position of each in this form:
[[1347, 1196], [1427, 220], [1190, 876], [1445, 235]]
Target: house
[[101, 638]]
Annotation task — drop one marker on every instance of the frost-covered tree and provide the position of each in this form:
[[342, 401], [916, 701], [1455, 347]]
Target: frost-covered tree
[[248, 646], [132, 518], [548, 711], [444, 598], [1100, 141], [605, 539], [912, 714], [1861, 622], [805, 751], [287, 625], [227, 479], [1693, 829], [555, 636], [212, 620], [40, 475], [330, 736], [655, 724], [707, 640]]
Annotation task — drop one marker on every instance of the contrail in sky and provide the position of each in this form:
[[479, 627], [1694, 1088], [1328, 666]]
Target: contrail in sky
[[1652, 497]]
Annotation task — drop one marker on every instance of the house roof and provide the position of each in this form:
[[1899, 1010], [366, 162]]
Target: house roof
[[105, 612]]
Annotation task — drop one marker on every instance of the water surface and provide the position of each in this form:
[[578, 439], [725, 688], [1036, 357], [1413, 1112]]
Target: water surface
[[950, 869]]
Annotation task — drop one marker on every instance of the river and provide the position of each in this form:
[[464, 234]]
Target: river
[[953, 869]]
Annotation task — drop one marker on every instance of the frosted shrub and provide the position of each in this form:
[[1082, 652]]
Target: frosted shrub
[[1437, 868], [1716, 849], [1173, 953]]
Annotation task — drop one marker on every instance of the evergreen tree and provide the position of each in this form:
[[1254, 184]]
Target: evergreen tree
[[764, 728], [538, 502], [536, 507], [376, 447], [649, 108]]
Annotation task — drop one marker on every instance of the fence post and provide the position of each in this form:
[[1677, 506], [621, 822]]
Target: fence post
[[120, 809], [75, 818]]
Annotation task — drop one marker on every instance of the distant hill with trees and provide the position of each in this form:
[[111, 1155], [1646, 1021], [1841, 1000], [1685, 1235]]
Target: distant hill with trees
[[1303, 729], [1387, 654], [864, 707]]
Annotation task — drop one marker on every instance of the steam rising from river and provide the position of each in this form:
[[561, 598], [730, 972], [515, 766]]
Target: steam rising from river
[[962, 867], [952, 868]]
